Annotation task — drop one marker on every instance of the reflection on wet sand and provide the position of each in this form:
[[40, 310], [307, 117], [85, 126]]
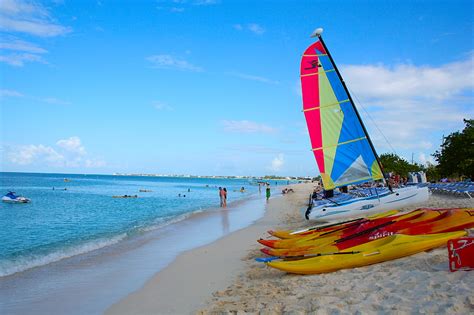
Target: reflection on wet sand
[[225, 221]]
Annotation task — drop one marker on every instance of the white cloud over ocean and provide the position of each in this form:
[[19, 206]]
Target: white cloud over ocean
[[72, 144], [67, 153], [277, 163]]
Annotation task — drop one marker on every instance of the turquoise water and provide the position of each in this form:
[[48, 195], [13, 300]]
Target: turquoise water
[[63, 223]]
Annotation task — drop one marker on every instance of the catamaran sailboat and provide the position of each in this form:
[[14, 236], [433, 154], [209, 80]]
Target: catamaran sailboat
[[341, 145]]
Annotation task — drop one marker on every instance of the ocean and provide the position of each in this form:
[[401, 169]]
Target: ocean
[[74, 214]]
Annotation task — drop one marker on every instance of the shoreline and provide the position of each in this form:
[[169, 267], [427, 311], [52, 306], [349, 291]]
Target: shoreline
[[194, 276], [104, 242], [104, 276]]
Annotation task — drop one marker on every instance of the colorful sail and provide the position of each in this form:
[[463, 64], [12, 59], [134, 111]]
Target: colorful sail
[[340, 145]]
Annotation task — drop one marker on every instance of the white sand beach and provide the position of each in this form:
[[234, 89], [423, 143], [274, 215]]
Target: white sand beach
[[224, 278]]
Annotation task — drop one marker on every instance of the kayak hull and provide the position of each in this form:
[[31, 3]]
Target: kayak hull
[[377, 251]]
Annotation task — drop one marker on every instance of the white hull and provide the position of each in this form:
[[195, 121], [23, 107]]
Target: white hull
[[16, 200], [360, 207]]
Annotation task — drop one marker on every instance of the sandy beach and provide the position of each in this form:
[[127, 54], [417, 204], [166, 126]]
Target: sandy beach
[[223, 277]]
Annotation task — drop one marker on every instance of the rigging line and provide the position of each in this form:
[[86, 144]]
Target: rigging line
[[373, 121]]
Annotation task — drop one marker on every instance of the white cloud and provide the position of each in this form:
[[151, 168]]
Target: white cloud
[[405, 81], [30, 18], [277, 163], [10, 93], [38, 28], [73, 144], [17, 7], [246, 126], [20, 45], [170, 62], [409, 103], [425, 159], [256, 29], [178, 6], [4, 93], [27, 154], [253, 78], [67, 153], [426, 145], [177, 10], [27, 17], [205, 2], [19, 59], [251, 27]]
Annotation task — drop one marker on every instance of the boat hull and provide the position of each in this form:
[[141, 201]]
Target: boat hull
[[15, 200], [400, 198]]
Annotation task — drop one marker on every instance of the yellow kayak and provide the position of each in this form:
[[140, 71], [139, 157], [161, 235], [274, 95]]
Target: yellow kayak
[[384, 249]]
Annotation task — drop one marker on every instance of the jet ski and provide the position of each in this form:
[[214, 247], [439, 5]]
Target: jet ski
[[12, 198]]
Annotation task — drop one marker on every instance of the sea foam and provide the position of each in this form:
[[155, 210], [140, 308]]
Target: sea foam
[[9, 267]]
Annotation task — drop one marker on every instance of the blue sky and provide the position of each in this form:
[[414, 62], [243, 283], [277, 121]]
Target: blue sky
[[212, 87]]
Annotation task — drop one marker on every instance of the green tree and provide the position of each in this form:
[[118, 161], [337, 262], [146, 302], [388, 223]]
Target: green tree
[[393, 163], [456, 156]]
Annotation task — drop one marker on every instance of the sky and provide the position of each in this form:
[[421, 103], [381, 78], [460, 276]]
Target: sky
[[210, 87]]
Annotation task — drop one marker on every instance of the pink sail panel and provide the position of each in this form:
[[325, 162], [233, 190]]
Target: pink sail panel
[[310, 88]]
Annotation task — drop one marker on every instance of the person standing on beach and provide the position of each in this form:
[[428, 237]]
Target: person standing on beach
[[225, 197], [267, 191], [221, 196]]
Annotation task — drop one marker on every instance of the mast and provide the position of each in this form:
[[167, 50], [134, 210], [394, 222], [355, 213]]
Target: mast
[[317, 33]]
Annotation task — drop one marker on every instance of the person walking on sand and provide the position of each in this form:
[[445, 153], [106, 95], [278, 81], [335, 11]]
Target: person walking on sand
[[267, 191], [225, 197], [221, 196]]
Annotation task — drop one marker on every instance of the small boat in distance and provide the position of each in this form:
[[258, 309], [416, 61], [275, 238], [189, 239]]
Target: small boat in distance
[[341, 145], [11, 197], [126, 196], [145, 190]]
